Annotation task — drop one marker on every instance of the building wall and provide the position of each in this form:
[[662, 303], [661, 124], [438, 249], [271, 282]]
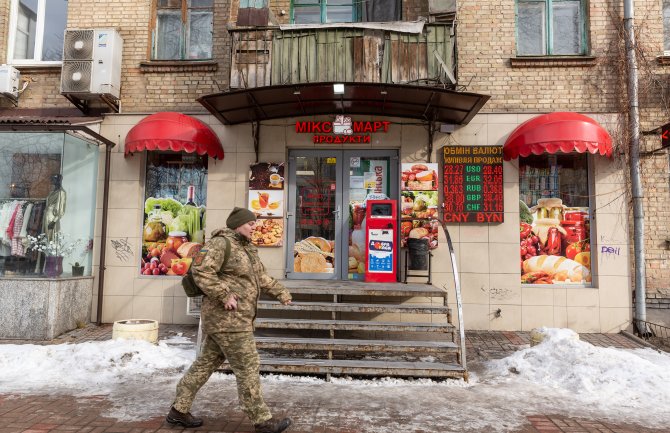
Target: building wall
[[487, 255]]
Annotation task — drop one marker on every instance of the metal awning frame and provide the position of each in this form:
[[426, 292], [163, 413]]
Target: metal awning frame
[[312, 99], [50, 127]]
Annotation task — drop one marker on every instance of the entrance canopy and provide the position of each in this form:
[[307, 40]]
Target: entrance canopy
[[558, 132], [173, 131], [310, 99]]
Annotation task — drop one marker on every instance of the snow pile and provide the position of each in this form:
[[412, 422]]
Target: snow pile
[[605, 379], [91, 367]]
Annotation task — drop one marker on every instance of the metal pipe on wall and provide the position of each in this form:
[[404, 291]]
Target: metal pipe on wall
[[635, 176], [103, 235]]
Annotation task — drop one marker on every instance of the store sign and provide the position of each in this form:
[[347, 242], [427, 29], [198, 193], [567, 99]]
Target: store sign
[[665, 135], [342, 130], [472, 189]]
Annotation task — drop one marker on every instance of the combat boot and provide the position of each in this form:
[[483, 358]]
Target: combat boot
[[272, 426], [184, 419]]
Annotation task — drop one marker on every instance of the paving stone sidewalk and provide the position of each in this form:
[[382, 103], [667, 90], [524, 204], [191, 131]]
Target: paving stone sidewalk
[[45, 413]]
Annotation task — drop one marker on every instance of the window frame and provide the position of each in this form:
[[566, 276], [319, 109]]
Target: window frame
[[323, 5], [549, 31], [184, 34], [593, 226], [39, 37]]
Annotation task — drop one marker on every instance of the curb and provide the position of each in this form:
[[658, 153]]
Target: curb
[[638, 340]]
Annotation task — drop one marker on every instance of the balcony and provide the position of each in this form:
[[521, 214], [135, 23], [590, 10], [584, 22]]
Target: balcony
[[410, 53]]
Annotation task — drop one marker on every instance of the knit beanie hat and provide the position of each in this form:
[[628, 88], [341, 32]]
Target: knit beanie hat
[[238, 217]]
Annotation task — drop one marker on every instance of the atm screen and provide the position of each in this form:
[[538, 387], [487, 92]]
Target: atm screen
[[381, 210]]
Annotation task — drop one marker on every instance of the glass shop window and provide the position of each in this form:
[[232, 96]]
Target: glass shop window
[[174, 212], [47, 204], [555, 245]]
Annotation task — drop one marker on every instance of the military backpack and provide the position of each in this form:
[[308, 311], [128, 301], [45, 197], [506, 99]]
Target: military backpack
[[188, 282]]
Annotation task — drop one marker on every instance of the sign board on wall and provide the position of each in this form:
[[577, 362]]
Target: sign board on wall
[[472, 188], [266, 200]]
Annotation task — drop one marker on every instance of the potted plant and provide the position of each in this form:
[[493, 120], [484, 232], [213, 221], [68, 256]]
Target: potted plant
[[78, 269], [54, 250]]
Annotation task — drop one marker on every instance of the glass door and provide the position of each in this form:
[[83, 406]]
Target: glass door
[[326, 212], [315, 197]]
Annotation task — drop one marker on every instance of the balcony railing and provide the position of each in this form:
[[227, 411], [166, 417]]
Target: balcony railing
[[274, 56]]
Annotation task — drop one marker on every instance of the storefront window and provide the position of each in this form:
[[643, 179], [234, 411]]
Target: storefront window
[[174, 212], [47, 204], [555, 245]]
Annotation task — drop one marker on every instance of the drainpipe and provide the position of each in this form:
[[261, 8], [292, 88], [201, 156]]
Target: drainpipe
[[635, 178], [103, 235]]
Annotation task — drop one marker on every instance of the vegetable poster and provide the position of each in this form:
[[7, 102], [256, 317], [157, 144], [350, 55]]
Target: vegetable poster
[[171, 236], [266, 200]]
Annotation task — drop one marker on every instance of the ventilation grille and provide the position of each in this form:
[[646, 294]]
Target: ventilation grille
[[78, 45], [76, 77]]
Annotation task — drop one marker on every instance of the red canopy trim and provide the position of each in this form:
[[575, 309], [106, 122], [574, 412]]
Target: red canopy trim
[[558, 132], [173, 131]]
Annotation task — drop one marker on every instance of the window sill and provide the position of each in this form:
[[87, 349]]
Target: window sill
[[553, 61], [166, 66], [37, 68]]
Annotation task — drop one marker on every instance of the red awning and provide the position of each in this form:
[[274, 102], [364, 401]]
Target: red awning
[[173, 131], [558, 132]]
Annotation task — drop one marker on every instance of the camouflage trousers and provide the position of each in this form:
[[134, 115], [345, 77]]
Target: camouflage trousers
[[239, 348]]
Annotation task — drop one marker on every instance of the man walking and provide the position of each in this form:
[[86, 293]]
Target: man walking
[[230, 273]]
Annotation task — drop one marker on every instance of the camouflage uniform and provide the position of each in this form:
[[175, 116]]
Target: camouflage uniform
[[230, 332]]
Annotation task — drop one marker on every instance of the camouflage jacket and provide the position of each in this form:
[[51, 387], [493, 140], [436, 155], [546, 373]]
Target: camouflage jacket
[[244, 275]]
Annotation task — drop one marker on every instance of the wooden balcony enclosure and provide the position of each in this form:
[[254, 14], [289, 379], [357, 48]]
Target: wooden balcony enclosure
[[278, 56]]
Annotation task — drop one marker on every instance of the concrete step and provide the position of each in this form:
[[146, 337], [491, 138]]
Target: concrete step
[[354, 345], [352, 325], [362, 367], [335, 287], [354, 307]]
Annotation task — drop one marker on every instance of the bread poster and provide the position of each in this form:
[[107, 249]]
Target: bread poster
[[266, 200], [554, 243]]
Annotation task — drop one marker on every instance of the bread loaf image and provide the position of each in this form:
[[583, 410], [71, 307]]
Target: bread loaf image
[[560, 268]]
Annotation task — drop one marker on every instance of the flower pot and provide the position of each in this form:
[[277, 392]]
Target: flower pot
[[77, 271], [53, 266]]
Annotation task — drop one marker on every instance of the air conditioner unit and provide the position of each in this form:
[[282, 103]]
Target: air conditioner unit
[[91, 63], [9, 82]]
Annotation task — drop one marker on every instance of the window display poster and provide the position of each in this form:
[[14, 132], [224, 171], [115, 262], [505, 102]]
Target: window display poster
[[419, 229], [173, 232], [419, 177], [554, 243]]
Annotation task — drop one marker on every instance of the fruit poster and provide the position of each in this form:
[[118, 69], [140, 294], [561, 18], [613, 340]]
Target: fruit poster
[[554, 243], [266, 200], [419, 201]]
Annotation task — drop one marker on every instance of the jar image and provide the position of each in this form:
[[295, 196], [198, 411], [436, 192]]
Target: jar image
[[576, 232], [154, 229], [175, 240]]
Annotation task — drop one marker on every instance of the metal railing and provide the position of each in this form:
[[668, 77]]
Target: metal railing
[[459, 302], [655, 334]]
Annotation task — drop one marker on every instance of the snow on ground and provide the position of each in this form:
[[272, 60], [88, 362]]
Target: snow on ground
[[560, 376]]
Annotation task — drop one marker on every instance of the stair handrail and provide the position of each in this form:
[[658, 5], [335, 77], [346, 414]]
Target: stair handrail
[[459, 303]]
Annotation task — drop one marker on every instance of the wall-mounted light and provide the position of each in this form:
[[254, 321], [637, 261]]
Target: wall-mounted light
[[338, 89], [296, 92]]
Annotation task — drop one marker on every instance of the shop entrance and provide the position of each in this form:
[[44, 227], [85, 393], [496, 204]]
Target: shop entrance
[[325, 225]]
